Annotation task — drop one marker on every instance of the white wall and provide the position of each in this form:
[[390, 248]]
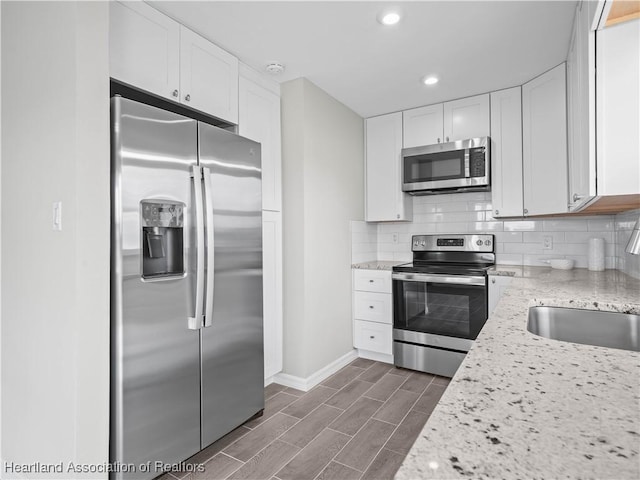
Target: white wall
[[323, 190], [518, 241], [55, 284], [627, 263]]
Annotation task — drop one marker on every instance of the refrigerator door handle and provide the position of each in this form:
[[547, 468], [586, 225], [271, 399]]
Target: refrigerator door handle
[[196, 322], [208, 313]]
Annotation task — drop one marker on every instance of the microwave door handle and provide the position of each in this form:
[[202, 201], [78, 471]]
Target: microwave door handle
[[195, 322], [467, 172], [208, 312]]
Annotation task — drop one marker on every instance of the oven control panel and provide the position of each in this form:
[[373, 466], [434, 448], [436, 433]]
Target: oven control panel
[[452, 243]]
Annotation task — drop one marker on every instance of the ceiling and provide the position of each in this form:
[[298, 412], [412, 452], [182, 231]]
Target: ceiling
[[473, 47]]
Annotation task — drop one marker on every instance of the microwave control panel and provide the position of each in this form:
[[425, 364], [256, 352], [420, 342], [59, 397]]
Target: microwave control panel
[[476, 162]]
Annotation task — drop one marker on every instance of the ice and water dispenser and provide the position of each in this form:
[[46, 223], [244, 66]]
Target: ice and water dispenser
[[162, 238]]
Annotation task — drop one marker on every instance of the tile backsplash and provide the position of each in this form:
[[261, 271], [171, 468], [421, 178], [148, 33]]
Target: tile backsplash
[[627, 263], [518, 241]]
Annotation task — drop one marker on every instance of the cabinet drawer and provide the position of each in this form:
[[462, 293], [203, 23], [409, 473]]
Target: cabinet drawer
[[375, 337], [372, 306], [372, 280]]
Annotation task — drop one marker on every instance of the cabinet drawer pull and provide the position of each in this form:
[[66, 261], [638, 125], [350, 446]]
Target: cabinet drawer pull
[[372, 337], [497, 212], [370, 281], [188, 98], [371, 306], [447, 139], [438, 139], [493, 280], [174, 93]]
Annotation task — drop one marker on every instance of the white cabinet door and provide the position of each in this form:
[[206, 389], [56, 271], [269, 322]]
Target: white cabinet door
[[208, 77], [422, 126], [497, 285], [544, 140], [506, 152], [272, 291], [581, 111], [618, 109], [144, 48], [466, 118], [385, 200], [259, 120]]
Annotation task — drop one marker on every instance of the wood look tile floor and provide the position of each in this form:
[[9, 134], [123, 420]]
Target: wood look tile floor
[[358, 424]]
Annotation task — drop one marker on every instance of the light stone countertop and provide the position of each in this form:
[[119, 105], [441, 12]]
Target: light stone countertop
[[523, 406], [377, 265]]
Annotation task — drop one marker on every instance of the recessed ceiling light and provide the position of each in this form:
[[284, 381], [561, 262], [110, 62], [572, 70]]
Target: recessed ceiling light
[[389, 18], [430, 80]]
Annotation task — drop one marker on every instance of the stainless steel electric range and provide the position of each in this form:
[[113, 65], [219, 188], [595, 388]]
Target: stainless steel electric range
[[440, 301]]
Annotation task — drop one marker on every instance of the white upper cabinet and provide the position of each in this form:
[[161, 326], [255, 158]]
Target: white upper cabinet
[[446, 122], [581, 111], [466, 118], [544, 141], [150, 51], [144, 48], [422, 126], [385, 200], [208, 77], [618, 109], [506, 152], [259, 120]]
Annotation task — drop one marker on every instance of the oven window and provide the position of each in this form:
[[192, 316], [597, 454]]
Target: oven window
[[442, 309], [434, 166]]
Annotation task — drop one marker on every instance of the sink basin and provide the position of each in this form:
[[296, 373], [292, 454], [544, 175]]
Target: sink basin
[[589, 327]]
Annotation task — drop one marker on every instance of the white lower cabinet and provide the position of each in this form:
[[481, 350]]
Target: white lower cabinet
[[373, 314], [372, 336], [272, 291], [497, 285]]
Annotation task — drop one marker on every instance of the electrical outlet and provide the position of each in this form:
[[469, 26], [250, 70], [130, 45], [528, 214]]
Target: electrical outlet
[[547, 242], [395, 238]]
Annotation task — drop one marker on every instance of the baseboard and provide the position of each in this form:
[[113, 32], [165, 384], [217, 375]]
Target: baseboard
[[378, 357], [306, 384]]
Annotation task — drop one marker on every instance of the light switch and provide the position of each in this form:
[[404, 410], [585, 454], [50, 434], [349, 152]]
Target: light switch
[[57, 216]]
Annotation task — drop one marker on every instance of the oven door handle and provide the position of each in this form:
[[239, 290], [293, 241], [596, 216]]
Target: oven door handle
[[450, 279]]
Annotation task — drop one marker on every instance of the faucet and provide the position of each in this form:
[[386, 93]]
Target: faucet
[[633, 245]]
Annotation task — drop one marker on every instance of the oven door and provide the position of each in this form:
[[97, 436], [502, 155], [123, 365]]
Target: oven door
[[449, 305]]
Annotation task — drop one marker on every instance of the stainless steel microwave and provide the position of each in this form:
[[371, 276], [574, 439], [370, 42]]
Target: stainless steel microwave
[[447, 167]]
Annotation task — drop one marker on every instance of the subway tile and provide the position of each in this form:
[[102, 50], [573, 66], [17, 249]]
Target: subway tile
[[452, 228], [479, 206], [451, 207], [523, 225], [531, 248], [583, 237], [486, 227], [509, 259], [564, 225], [538, 237], [509, 237], [604, 224], [403, 256]]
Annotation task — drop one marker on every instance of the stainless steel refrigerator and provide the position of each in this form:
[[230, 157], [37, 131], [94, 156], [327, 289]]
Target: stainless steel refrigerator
[[186, 285]]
